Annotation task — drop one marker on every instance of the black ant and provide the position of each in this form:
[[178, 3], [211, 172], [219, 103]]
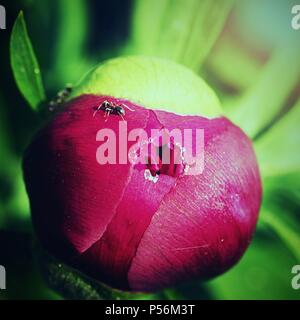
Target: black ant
[[112, 108]]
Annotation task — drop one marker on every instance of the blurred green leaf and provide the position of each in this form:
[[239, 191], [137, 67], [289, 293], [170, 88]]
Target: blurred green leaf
[[258, 107], [13, 198], [285, 227], [278, 149], [219, 70], [286, 185], [263, 273], [70, 61], [24, 64], [183, 31]]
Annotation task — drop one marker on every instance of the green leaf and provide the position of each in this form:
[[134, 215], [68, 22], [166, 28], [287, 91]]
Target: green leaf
[[285, 227], [24, 64], [278, 149], [263, 273], [183, 31], [223, 76], [70, 61], [13, 198], [259, 106], [287, 185]]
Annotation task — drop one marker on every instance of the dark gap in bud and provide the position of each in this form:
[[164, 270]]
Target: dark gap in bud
[[174, 168]]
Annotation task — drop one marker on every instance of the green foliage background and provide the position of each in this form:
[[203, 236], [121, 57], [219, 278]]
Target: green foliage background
[[246, 50]]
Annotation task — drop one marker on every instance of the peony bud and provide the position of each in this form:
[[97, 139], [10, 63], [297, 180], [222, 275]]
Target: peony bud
[[142, 226]]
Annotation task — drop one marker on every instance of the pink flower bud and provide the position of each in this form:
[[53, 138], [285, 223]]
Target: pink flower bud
[[141, 226]]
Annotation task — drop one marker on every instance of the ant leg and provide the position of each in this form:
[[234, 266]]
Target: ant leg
[[126, 106], [122, 117], [104, 103], [107, 115]]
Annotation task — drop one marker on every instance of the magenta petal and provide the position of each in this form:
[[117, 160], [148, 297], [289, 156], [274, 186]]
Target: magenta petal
[[75, 198], [141, 226], [204, 225], [110, 258]]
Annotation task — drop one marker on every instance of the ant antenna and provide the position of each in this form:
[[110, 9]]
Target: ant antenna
[[96, 111], [126, 106]]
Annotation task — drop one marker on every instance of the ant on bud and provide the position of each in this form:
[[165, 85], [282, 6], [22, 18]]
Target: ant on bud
[[112, 108]]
